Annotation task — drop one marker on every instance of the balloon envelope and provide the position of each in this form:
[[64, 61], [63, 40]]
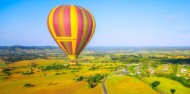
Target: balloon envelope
[[72, 27]]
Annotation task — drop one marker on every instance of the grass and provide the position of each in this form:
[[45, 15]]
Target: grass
[[167, 84], [2, 64], [127, 85]]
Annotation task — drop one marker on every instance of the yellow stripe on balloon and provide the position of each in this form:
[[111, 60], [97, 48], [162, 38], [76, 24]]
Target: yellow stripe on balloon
[[52, 31], [74, 26]]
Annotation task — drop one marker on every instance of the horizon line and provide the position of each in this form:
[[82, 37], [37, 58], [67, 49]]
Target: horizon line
[[91, 46]]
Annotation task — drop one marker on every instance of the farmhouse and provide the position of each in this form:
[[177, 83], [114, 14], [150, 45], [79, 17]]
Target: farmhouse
[[183, 70]]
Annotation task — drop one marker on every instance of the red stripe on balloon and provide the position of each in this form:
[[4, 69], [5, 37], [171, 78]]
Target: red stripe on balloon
[[70, 47], [67, 23], [80, 28], [56, 21]]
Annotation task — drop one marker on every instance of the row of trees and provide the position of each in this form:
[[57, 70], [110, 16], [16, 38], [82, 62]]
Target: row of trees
[[182, 80], [92, 80], [54, 66]]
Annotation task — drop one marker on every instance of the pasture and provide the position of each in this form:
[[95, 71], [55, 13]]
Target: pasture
[[167, 84], [127, 84]]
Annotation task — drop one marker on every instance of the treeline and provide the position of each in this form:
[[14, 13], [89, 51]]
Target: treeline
[[18, 53], [13, 57], [141, 58], [54, 66], [14, 48], [176, 61], [182, 80]]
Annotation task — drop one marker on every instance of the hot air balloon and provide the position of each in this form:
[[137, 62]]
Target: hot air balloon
[[72, 27]]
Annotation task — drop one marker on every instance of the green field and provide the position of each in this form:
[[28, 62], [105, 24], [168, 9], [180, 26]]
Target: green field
[[127, 85], [167, 84]]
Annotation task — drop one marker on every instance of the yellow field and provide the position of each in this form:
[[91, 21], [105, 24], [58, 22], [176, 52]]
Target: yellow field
[[48, 85], [127, 85], [46, 82]]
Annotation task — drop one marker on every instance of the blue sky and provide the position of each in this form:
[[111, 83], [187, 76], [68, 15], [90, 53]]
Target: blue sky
[[118, 22]]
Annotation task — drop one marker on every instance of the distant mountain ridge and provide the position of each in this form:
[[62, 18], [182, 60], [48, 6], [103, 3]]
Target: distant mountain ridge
[[28, 47], [98, 47]]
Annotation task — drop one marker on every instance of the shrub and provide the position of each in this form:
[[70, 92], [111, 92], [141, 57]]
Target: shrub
[[80, 78], [172, 91], [28, 85], [7, 73], [27, 73], [155, 84], [57, 73], [94, 79], [92, 85], [93, 68]]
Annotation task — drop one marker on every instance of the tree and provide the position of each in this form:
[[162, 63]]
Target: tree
[[28, 85], [80, 78], [172, 90], [155, 84]]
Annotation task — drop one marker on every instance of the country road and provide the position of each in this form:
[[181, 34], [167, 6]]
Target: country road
[[104, 87], [103, 83]]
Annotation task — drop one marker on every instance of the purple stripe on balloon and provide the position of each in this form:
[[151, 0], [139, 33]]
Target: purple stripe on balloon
[[67, 23], [56, 21], [80, 28]]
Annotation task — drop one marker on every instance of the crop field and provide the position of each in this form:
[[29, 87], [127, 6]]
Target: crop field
[[122, 84], [48, 82], [51, 72], [168, 84]]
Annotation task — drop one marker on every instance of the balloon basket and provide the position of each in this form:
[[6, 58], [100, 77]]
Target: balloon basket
[[73, 62]]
